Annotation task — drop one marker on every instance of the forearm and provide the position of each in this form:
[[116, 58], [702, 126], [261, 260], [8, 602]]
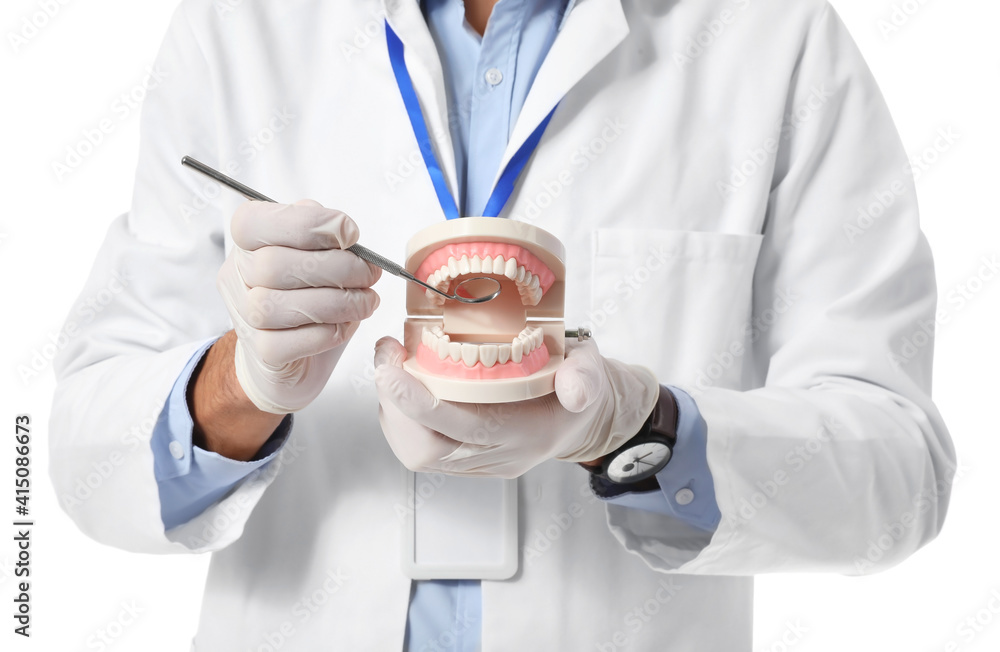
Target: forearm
[[225, 420]]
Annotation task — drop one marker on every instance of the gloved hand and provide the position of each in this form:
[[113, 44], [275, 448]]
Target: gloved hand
[[295, 298], [598, 404]]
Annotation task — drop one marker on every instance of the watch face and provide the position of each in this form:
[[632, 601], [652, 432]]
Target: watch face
[[638, 462]]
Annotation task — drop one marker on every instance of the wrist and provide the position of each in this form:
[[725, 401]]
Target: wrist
[[226, 421], [639, 457]]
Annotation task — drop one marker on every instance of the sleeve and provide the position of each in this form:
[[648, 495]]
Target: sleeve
[[685, 490], [154, 277], [840, 462], [191, 479]]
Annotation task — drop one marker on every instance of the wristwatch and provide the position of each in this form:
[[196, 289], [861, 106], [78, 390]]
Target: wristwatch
[[636, 462]]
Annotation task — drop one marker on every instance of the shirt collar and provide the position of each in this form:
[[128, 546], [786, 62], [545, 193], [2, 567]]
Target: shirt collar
[[567, 7]]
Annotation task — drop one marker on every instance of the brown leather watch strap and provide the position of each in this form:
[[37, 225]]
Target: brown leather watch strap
[[664, 417]]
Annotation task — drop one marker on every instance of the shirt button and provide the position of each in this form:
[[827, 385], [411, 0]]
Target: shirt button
[[684, 496], [493, 76], [176, 450]]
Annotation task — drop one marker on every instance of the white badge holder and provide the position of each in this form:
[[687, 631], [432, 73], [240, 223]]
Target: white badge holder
[[463, 527], [459, 528]]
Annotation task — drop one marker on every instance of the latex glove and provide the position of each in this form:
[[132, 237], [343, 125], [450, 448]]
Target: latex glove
[[598, 404], [295, 298]]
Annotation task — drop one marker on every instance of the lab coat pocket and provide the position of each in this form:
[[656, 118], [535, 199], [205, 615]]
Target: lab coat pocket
[[677, 302]]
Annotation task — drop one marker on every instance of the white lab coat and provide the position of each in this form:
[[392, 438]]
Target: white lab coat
[[738, 217]]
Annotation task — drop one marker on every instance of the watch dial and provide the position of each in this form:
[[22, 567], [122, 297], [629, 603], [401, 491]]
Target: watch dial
[[639, 462]]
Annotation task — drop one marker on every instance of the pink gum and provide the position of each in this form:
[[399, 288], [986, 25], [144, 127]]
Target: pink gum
[[439, 258], [528, 365]]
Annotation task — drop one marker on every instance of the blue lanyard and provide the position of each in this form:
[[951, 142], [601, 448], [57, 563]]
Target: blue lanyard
[[505, 184]]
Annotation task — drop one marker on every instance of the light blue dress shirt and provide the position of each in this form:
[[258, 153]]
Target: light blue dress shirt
[[191, 479], [487, 79]]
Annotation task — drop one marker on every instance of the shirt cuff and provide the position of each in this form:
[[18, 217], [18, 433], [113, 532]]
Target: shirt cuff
[[686, 490], [191, 479]]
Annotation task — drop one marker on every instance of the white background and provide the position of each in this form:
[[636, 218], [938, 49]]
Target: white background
[[939, 70]]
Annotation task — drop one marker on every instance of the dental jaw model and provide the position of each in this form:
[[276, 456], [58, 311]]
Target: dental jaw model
[[504, 350]]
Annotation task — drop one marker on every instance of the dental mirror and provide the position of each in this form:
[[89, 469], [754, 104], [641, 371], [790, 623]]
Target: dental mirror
[[478, 289]]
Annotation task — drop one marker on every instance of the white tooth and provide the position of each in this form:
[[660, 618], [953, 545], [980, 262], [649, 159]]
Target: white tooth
[[455, 351], [516, 349], [520, 274], [503, 353], [526, 342], [498, 265], [453, 267], [487, 265], [510, 269], [426, 338], [437, 330], [488, 354], [463, 265], [534, 283], [431, 296], [527, 279], [430, 279], [470, 354], [536, 296], [476, 266], [442, 347], [434, 279], [538, 336], [445, 273]]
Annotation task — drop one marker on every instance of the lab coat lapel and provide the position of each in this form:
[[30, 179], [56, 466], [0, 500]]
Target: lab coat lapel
[[427, 75], [591, 30]]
